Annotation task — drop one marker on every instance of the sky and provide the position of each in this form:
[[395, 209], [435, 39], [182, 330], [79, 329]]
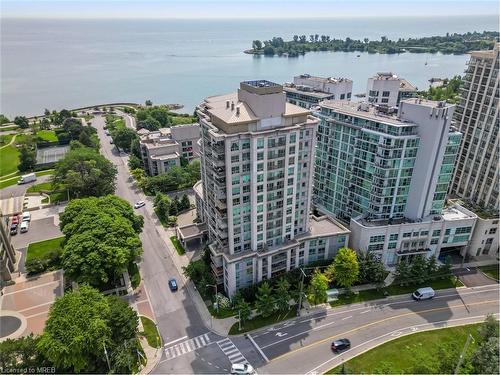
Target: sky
[[241, 8]]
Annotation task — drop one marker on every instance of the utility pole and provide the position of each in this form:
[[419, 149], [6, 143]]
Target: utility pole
[[461, 358], [239, 320], [301, 291], [106, 354]]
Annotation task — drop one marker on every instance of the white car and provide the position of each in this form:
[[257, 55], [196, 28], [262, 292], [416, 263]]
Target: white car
[[26, 216], [139, 204], [25, 226], [241, 368]]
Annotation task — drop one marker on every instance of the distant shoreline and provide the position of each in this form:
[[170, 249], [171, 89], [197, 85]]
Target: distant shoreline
[[450, 44]]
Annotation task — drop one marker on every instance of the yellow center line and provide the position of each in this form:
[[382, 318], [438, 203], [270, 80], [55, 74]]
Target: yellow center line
[[378, 321]]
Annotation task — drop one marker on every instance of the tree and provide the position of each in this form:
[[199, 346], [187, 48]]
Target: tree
[[21, 353], [101, 250], [149, 123], [283, 295], [418, 270], [445, 269], [185, 203], [264, 301], [162, 206], [244, 310], [22, 122], [77, 331], [148, 103], [27, 158], [431, 267], [485, 359], [85, 172], [345, 267], [371, 268], [123, 138], [135, 148], [134, 162], [402, 272], [3, 119], [256, 44], [174, 208], [138, 174], [269, 51], [318, 286], [123, 320]]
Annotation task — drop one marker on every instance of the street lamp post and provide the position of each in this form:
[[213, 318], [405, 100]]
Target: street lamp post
[[301, 291], [215, 286]]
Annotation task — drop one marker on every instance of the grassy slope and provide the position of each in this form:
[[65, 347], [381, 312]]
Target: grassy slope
[[491, 271], [47, 135], [9, 157], [404, 353]]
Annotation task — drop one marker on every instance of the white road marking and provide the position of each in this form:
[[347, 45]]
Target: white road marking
[[186, 346], [347, 317], [257, 347], [231, 351], [281, 334], [321, 326], [364, 312], [179, 339]]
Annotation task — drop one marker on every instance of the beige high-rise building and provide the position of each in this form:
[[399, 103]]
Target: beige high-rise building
[[476, 174], [257, 158]]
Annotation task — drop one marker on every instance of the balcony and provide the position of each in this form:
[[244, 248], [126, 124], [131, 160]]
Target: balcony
[[402, 252]]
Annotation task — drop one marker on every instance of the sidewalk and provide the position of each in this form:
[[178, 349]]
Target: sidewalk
[[153, 356]]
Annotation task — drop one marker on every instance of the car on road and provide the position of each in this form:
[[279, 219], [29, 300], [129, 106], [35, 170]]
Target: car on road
[[241, 368], [26, 216], [423, 293], [13, 229], [340, 344], [25, 226], [172, 284], [139, 204]]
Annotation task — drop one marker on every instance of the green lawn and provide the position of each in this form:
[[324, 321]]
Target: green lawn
[[9, 157], [5, 139], [223, 313], [491, 271], [42, 187], [259, 322], [39, 249], [178, 246], [407, 354], [47, 135], [150, 332], [180, 120], [362, 296]]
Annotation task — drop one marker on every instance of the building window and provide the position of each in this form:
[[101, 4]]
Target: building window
[[436, 233], [493, 230], [393, 237]]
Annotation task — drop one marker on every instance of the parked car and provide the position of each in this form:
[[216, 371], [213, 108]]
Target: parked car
[[241, 368], [423, 293], [13, 229], [25, 226], [341, 344], [172, 284], [26, 216], [15, 219], [139, 204]]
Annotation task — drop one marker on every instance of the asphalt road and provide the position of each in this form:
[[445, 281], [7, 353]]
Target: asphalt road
[[303, 345], [176, 315]]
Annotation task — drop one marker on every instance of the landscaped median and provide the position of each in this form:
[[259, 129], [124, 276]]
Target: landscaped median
[[150, 332], [178, 246]]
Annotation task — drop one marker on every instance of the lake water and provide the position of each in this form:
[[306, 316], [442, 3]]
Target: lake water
[[71, 63]]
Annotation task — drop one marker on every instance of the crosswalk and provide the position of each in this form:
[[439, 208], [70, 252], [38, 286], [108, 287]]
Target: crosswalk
[[231, 351], [187, 346]]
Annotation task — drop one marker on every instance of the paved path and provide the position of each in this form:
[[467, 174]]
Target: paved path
[[472, 276]]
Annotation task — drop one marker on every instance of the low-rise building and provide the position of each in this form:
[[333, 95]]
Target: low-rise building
[[386, 88], [307, 91], [396, 240], [7, 252], [165, 147]]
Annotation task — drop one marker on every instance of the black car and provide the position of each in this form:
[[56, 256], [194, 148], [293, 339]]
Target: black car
[[13, 229], [341, 344], [172, 284]]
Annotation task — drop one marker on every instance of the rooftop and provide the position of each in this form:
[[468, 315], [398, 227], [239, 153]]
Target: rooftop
[[406, 86], [387, 76], [364, 110], [324, 79], [315, 94], [323, 226]]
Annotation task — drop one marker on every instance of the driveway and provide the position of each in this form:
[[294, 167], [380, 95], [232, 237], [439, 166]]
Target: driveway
[[44, 225], [472, 276]]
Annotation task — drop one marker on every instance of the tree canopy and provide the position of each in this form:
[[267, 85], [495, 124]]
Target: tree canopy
[[85, 172], [83, 325], [101, 239], [345, 268], [123, 138]]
